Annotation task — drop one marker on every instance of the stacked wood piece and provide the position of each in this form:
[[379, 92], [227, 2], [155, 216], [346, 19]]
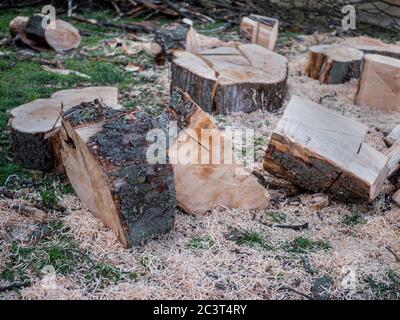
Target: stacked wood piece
[[331, 64], [34, 125], [321, 151], [232, 79], [379, 86], [104, 154], [212, 175], [260, 30]]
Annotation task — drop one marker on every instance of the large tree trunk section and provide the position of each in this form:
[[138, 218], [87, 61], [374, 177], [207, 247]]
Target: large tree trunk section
[[321, 151], [393, 136], [63, 37], [373, 46], [332, 64], [201, 181], [104, 154], [34, 126], [229, 79], [182, 36], [379, 86], [260, 30]]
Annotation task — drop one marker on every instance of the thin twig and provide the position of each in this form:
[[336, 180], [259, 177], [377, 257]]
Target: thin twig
[[388, 248]]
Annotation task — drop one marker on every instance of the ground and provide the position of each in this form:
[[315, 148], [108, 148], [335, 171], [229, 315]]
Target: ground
[[348, 251]]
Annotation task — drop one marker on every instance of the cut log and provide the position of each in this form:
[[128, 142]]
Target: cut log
[[379, 86], [332, 64], [212, 176], [63, 37], [393, 154], [182, 35], [104, 154], [228, 79], [260, 30], [34, 125], [373, 46], [321, 151], [393, 136]]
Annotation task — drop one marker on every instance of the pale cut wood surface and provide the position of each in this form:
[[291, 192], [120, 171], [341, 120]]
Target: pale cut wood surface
[[200, 184], [379, 86], [393, 153], [260, 30], [393, 136], [373, 46]]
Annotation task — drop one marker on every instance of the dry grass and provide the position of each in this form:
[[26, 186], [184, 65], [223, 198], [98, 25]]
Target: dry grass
[[219, 267]]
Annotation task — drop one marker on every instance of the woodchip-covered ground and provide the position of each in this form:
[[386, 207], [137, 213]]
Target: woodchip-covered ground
[[349, 251]]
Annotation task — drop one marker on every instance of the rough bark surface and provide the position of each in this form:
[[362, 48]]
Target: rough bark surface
[[331, 64], [232, 79], [321, 151], [134, 198]]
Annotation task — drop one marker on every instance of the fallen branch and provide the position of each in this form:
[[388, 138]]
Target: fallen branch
[[15, 285], [388, 248], [296, 227]]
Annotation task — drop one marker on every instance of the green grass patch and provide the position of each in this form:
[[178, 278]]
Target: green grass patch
[[276, 216], [301, 245], [353, 218], [388, 289], [200, 243], [253, 239]]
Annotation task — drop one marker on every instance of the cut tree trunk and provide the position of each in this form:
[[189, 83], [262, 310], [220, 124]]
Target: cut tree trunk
[[393, 136], [182, 36], [63, 37], [104, 154], [206, 171], [332, 64], [379, 86], [260, 30], [232, 79], [393, 154], [17, 25], [373, 46], [34, 125], [321, 151]]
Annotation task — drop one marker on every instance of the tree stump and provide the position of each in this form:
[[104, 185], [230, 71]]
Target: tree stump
[[260, 30], [379, 86], [373, 46], [63, 37], [34, 125], [321, 151], [206, 171], [232, 79], [104, 154], [332, 64]]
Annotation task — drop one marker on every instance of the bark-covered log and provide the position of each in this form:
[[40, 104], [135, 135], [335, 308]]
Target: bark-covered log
[[34, 125], [232, 79], [206, 171], [373, 46], [260, 30], [322, 151], [17, 25], [379, 86], [332, 64], [104, 154]]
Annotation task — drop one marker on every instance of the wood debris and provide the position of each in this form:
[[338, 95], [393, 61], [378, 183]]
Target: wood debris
[[393, 136], [315, 201], [260, 30]]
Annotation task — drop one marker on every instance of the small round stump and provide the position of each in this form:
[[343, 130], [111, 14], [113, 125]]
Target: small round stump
[[331, 64], [232, 79]]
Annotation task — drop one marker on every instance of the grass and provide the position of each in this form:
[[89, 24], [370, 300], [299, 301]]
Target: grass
[[253, 239], [60, 252], [388, 289], [200, 243], [276, 216], [353, 218], [302, 245]]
